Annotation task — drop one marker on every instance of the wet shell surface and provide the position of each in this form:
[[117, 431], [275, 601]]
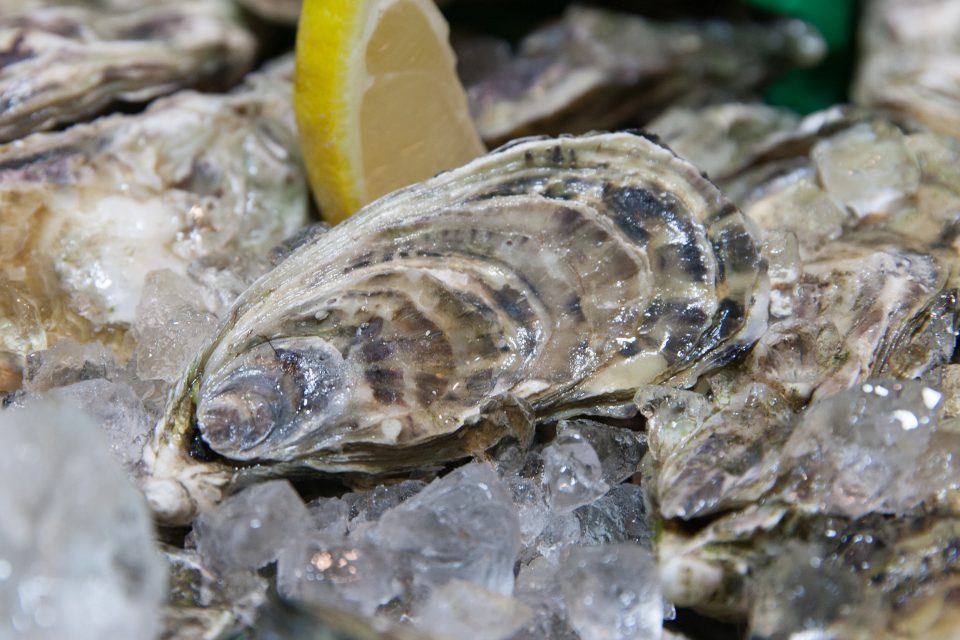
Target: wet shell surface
[[549, 274]]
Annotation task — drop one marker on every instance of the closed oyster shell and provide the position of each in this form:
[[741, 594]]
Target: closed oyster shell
[[910, 60], [88, 212], [60, 65], [545, 276], [600, 68]]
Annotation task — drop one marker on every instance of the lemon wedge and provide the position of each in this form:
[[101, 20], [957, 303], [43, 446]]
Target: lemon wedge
[[377, 100]]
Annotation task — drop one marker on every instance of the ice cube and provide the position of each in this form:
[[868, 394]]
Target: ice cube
[[572, 473], [619, 450], [860, 451], [612, 592], [77, 555], [619, 516], [806, 595], [117, 410], [348, 574], [249, 529], [170, 326], [67, 362], [460, 609], [463, 525]]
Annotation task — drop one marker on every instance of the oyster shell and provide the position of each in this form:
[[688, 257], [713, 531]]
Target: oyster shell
[[598, 69], [284, 11], [60, 65], [88, 212], [834, 477], [548, 275], [910, 60]]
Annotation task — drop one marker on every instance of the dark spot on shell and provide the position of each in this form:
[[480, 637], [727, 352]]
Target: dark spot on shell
[[479, 382], [15, 52], [574, 307], [370, 329], [375, 350], [682, 258], [727, 209], [386, 384], [730, 314], [556, 155], [737, 249], [632, 207], [629, 349], [429, 386], [568, 220], [514, 304], [528, 157]]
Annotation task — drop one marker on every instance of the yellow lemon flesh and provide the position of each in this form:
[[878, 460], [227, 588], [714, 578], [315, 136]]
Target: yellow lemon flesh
[[377, 99]]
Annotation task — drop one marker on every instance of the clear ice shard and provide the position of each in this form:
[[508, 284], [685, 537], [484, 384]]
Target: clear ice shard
[[870, 448], [171, 324], [572, 472], [612, 592], [67, 362], [461, 609], [619, 450], [77, 552], [116, 409], [461, 526], [249, 529], [805, 595], [348, 574]]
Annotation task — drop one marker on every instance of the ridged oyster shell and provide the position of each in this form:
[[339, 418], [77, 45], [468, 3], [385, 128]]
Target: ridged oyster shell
[[598, 68], [214, 182], [60, 65], [545, 275]]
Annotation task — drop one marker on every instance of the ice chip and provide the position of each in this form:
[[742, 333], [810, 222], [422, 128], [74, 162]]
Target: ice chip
[[348, 574], [171, 324], [803, 594], [77, 556], [612, 592], [67, 362], [619, 450], [869, 448], [119, 413], [249, 529], [460, 609], [461, 526], [572, 472]]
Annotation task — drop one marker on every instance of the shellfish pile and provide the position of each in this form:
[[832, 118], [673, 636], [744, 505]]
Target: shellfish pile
[[691, 381]]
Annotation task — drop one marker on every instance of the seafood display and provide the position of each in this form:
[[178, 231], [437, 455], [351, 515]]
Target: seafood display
[[63, 64], [210, 177], [597, 69], [423, 329], [910, 61], [697, 381]]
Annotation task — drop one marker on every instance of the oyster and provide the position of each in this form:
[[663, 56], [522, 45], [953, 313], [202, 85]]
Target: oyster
[[88, 212], [910, 60], [600, 69], [60, 65], [546, 276], [284, 11]]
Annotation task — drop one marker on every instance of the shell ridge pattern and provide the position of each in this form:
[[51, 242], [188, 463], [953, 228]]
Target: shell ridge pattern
[[550, 270]]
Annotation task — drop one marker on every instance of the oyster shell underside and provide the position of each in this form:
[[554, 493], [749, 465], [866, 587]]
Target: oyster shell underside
[[548, 273]]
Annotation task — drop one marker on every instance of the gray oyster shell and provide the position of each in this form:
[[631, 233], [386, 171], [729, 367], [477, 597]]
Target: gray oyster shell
[[283, 11], [88, 212], [910, 60], [60, 65], [599, 68], [545, 276]]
